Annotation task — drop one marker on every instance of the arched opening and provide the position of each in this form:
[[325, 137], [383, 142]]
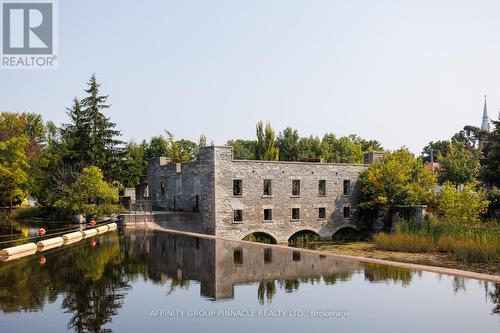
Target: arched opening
[[260, 237], [347, 234], [303, 236]]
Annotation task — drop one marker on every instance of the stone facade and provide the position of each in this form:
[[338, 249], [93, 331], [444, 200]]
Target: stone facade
[[208, 186]]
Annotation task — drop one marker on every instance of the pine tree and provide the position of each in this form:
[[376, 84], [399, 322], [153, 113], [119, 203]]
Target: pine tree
[[75, 136], [103, 146]]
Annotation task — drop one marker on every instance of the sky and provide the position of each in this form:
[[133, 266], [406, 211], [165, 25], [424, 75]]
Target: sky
[[401, 72]]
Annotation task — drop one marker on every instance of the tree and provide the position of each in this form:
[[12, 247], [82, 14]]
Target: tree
[[103, 145], [288, 145], [133, 164], [243, 149], [492, 160], [13, 169], [158, 146], [90, 194], [460, 165], [470, 136], [76, 136], [461, 206], [436, 148], [342, 150], [398, 178], [266, 146], [310, 149]]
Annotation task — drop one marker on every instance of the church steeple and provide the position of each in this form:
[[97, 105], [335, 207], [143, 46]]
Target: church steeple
[[485, 123]]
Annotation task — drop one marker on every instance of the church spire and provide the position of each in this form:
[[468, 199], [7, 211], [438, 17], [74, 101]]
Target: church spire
[[485, 123]]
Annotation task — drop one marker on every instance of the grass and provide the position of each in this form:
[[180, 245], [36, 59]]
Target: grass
[[478, 244]]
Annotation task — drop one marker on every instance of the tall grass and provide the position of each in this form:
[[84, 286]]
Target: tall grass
[[467, 243]]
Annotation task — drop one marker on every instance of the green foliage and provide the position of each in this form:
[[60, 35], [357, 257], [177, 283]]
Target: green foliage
[[492, 160], [133, 164], [310, 149], [341, 150], [158, 146], [243, 149], [471, 244], [397, 179], [90, 194], [266, 148], [438, 148], [288, 145], [461, 207], [460, 165], [13, 169]]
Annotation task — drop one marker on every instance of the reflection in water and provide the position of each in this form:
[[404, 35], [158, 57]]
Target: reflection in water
[[93, 277]]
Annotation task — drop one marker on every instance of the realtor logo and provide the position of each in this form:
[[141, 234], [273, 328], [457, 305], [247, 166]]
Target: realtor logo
[[28, 32]]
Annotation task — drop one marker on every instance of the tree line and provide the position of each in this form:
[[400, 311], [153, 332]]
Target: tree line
[[48, 161]]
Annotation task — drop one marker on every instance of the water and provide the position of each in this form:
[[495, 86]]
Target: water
[[132, 281]]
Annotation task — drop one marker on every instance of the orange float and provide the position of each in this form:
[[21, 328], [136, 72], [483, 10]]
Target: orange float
[[41, 232], [42, 260]]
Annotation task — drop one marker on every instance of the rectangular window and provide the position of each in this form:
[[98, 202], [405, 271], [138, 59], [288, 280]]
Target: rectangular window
[[267, 187], [238, 215], [295, 213], [347, 187], [322, 187], [296, 187], [347, 212], [322, 213], [238, 256], [162, 187], [296, 256], [268, 255], [178, 186], [268, 214], [237, 187]]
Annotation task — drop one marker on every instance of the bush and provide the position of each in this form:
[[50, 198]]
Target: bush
[[461, 207]]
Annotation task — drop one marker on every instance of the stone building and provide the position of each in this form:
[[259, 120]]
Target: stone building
[[234, 198]]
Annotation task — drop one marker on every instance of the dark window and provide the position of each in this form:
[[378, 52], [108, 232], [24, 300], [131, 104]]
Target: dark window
[[347, 212], [237, 187], [238, 215], [322, 213], [296, 187], [295, 214], [162, 186], [238, 256], [267, 187], [296, 256], [347, 187], [268, 214], [322, 187], [268, 255]]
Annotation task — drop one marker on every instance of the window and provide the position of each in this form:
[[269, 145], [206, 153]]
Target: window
[[322, 187], [296, 187], [322, 213], [347, 187], [237, 187], [268, 255], [197, 186], [238, 256], [295, 213], [238, 215], [162, 187], [347, 212], [178, 186], [267, 187], [296, 256], [268, 214]]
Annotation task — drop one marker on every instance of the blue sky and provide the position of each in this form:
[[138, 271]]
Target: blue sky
[[401, 72]]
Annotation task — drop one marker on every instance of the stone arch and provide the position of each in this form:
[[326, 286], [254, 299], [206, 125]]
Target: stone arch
[[348, 230], [303, 231], [273, 239]]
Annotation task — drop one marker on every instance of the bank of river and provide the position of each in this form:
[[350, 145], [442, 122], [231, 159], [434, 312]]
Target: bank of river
[[368, 250]]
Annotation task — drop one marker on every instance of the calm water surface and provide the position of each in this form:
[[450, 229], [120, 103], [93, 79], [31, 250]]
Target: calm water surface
[[136, 281]]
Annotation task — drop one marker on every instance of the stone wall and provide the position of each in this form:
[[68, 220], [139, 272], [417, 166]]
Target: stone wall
[[253, 202], [173, 186]]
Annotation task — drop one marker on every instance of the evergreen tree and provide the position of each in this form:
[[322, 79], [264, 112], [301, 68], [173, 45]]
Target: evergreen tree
[[75, 136], [103, 146]]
